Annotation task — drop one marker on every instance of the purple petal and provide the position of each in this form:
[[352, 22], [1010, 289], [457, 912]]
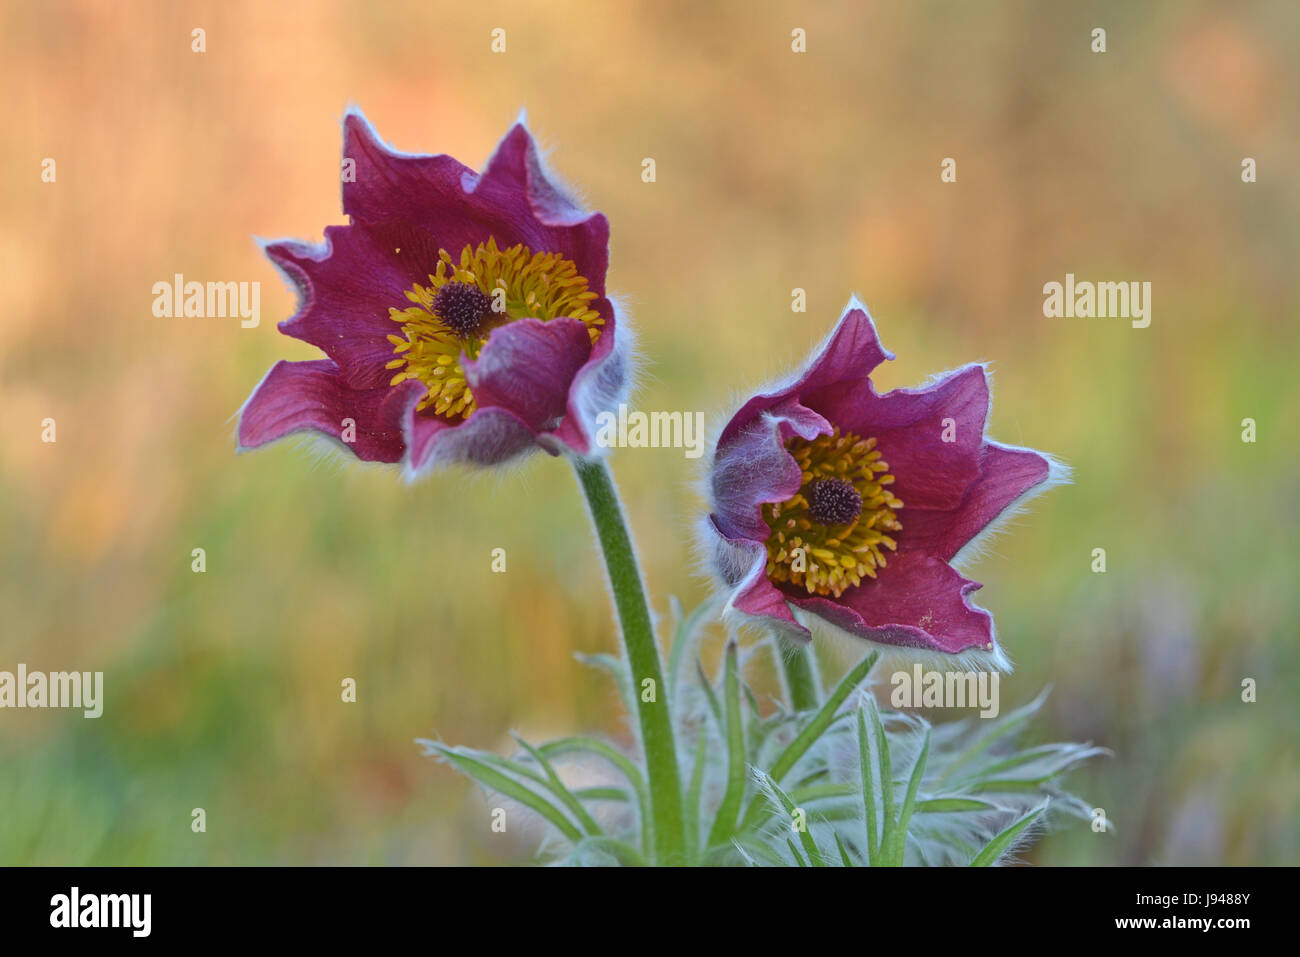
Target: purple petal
[[517, 169], [909, 426], [917, 601], [382, 176], [754, 468], [312, 396], [488, 437], [599, 386], [521, 382], [846, 360], [514, 200], [527, 366], [346, 287], [1005, 474], [743, 565]]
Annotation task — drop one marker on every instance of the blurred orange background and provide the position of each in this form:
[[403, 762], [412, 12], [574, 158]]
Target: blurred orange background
[[775, 170]]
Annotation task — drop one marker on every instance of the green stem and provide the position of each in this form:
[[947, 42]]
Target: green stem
[[800, 673], [643, 657]]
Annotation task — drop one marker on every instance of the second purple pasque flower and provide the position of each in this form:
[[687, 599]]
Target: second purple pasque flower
[[833, 501], [463, 315]]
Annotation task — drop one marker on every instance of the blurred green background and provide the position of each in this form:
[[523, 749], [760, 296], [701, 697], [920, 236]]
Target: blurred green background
[[775, 170]]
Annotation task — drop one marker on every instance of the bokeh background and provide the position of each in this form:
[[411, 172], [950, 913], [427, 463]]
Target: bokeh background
[[775, 170]]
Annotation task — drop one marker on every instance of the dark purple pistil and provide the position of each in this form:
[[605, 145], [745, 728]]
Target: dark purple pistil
[[833, 502], [462, 307]]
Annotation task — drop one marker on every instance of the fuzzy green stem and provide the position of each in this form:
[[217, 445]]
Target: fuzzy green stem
[[800, 674], [664, 781]]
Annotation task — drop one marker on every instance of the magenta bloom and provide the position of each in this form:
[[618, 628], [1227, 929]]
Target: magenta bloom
[[832, 500], [464, 315]]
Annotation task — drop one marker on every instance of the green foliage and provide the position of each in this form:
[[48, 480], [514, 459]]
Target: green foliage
[[840, 784]]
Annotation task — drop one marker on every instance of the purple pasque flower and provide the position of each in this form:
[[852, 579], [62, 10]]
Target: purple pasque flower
[[463, 314], [831, 500]]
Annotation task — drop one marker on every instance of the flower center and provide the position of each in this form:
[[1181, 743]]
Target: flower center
[[831, 533], [462, 308], [455, 314], [833, 502]]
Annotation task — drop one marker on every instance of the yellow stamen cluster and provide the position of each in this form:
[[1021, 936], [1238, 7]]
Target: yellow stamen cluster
[[829, 560], [521, 284]]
